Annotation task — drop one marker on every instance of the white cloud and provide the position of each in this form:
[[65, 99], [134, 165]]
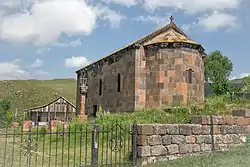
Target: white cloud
[[242, 75], [10, 3], [127, 3], [113, 17], [193, 6], [12, 70], [214, 21], [47, 20], [37, 63], [73, 43], [217, 20], [42, 51], [158, 20], [76, 62]]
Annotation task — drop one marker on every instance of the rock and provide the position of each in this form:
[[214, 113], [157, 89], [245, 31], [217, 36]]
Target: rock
[[166, 140], [173, 149], [144, 151], [190, 139], [154, 140], [160, 129], [172, 129], [186, 130], [178, 139], [158, 150], [206, 147], [185, 148]]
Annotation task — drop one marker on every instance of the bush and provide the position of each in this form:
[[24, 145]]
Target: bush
[[6, 116]]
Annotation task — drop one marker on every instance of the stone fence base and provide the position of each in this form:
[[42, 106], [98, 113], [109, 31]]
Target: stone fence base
[[166, 142]]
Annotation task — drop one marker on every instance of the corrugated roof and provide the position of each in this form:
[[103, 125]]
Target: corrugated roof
[[33, 108]]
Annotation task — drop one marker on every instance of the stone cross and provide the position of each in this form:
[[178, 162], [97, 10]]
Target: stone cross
[[171, 19]]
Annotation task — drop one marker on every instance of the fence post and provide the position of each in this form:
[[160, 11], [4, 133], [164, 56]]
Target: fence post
[[134, 143], [94, 148], [212, 133]]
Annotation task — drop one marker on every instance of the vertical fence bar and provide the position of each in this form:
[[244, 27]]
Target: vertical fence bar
[[124, 141], [75, 146], [63, 144], [5, 145], [36, 137], [111, 146], [50, 133], [68, 144], [21, 145], [102, 143], [56, 145], [120, 144], [94, 158], [86, 146], [134, 143], [80, 156], [116, 140], [129, 136], [13, 146], [212, 132], [29, 148], [44, 135], [107, 146]]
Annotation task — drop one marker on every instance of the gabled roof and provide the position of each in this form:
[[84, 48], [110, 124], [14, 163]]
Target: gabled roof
[[61, 97], [177, 35]]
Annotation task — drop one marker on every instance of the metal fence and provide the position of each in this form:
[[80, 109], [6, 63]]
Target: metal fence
[[69, 145]]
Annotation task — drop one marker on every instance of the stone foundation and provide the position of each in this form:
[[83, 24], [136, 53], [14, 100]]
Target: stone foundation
[[166, 142]]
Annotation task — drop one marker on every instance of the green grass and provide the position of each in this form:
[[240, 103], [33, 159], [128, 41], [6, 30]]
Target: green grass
[[31, 93], [237, 157]]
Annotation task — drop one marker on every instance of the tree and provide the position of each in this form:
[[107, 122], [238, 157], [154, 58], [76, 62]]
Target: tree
[[246, 84], [217, 71], [6, 116]]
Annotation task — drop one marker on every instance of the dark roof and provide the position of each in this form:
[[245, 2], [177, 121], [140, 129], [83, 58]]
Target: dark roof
[[33, 108]]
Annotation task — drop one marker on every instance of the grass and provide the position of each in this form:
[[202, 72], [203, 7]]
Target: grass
[[31, 93], [237, 157]]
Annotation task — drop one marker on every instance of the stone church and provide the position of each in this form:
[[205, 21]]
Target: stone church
[[162, 68]]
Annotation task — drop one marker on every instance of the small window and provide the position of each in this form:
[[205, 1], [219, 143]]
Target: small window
[[119, 82], [95, 108], [190, 76], [100, 87]]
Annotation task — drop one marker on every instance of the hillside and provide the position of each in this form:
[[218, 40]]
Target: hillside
[[30, 93]]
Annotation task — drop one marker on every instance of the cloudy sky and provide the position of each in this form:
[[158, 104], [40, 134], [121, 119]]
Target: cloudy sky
[[43, 39]]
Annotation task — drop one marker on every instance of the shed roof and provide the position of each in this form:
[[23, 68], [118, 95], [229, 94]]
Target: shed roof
[[61, 97]]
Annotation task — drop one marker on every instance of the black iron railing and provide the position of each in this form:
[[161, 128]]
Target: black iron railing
[[69, 145]]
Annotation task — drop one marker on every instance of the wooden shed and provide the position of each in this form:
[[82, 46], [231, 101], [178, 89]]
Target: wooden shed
[[60, 109]]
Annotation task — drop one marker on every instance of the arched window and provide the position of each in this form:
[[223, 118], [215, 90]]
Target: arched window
[[100, 87], [190, 76], [119, 82]]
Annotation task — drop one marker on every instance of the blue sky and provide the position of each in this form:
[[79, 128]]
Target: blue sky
[[44, 39]]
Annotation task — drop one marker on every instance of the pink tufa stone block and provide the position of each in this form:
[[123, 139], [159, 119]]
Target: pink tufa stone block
[[27, 125], [54, 123], [14, 125]]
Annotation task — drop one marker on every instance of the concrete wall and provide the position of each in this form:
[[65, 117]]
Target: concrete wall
[[112, 100], [166, 142]]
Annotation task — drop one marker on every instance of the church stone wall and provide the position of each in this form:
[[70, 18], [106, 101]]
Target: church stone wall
[[110, 99], [167, 76]]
